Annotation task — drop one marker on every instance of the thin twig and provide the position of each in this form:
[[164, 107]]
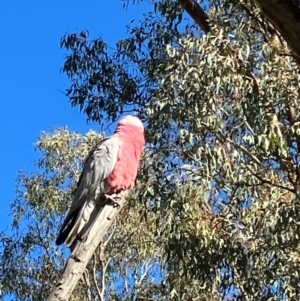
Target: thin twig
[[42, 242], [146, 267], [269, 182], [104, 268], [110, 236], [126, 282], [95, 277], [226, 139], [244, 150], [87, 283]]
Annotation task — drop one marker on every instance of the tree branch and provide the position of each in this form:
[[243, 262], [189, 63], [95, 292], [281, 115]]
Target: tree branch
[[265, 181], [85, 249], [202, 19], [197, 13]]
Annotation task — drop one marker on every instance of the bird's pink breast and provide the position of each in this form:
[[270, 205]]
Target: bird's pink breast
[[125, 171]]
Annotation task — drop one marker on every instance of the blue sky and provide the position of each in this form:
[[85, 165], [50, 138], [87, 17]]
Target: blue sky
[[31, 85]]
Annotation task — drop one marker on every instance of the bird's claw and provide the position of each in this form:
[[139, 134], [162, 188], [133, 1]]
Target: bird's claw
[[113, 198]]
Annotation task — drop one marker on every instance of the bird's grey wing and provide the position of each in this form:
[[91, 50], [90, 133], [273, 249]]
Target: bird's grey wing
[[97, 167]]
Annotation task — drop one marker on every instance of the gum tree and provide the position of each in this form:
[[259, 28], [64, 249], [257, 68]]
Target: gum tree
[[215, 214]]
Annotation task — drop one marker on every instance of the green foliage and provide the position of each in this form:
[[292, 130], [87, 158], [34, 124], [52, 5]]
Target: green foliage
[[215, 213], [30, 261]]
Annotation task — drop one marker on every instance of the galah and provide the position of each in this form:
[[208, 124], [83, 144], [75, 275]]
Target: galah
[[110, 167]]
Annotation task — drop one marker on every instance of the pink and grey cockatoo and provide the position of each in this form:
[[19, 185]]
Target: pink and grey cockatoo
[[110, 167]]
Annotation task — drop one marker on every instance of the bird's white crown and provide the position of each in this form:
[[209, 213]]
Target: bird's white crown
[[132, 120]]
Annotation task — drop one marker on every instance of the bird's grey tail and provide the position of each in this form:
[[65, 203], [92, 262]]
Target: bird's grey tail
[[73, 224], [67, 227]]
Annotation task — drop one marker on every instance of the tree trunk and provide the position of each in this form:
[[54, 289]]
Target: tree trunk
[[285, 17], [85, 249]]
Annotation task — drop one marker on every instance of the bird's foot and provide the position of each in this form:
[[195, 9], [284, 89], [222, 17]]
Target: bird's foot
[[114, 198]]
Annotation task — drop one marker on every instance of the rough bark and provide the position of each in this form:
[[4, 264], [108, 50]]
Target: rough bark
[[84, 250], [197, 13], [285, 17]]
